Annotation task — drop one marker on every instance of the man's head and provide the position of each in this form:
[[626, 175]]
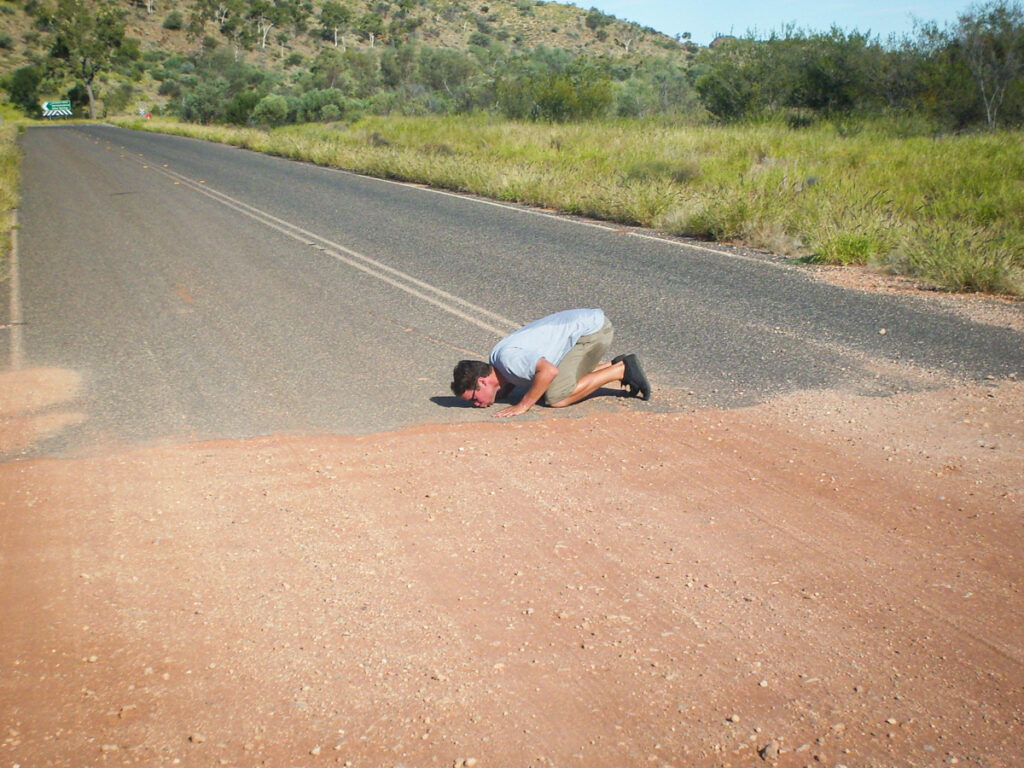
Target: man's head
[[475, 381]]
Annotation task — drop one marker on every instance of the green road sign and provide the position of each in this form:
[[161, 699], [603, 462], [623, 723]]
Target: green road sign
[[57, 109]]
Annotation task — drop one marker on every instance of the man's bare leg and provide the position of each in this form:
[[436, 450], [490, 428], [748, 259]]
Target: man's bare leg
[[605, 373]]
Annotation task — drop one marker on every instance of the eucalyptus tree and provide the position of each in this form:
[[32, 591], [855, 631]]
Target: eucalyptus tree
[[991, 39], [86, 36]]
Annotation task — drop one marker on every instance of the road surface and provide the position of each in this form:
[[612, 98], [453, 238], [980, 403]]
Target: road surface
[[203, 291]]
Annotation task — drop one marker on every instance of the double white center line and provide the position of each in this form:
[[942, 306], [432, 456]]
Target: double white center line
[[465, 310]]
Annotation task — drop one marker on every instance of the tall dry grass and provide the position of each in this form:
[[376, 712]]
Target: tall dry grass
[[10, 163]]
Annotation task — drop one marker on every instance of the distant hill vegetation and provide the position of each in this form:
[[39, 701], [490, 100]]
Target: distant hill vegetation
[[285, 38], [272, 62]]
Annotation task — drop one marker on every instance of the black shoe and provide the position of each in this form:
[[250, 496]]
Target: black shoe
[[634, 377]]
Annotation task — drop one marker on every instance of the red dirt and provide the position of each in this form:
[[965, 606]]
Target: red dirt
[[822, 580]]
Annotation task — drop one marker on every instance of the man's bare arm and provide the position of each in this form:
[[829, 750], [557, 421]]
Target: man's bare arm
[[542, 379]]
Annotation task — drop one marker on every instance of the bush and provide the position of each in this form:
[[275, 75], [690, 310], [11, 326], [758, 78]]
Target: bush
[[169, 88], [326, 104], [23, 89], [241, 107], [555, 98], [272, 110], [205, 103], [118, 100], [175, 20]]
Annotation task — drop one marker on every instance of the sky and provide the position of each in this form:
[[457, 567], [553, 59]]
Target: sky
[[706, 19]]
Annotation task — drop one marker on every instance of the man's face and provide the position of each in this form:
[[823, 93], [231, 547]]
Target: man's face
[[484, 394]]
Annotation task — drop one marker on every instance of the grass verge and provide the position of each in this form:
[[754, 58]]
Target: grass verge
[[10, 162], [946, 210]]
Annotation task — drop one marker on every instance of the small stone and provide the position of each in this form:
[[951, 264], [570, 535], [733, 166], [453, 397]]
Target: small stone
[[769, 752], [315, 750], [197, 738], [733, 718]]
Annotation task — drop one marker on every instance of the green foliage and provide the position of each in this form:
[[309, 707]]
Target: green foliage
[[963, 76], [549, 89], [119, 98], [958, 259], [85, 39], [324, 105], [10, 163], [205, 103], [595, 20], [370, 26], [170, 88], [391, 58], [272, 110], [22, 88], [822, 73], [239, 110], [174, 20], [733, 79], [991, 42], [334, 20]]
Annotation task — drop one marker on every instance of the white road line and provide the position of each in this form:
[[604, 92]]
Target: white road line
[[569, 218], [472, 313]]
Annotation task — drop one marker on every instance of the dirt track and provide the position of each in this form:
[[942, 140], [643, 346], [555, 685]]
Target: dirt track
[[823, 580]]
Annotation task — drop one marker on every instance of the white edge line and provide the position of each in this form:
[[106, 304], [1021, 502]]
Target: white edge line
[[569, 218]]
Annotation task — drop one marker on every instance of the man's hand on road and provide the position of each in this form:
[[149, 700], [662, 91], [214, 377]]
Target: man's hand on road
[[513, 410]]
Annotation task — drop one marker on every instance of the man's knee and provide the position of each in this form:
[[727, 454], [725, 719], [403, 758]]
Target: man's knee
[[557, 392]]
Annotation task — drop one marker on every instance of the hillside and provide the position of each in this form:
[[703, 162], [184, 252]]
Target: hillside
[[288, 36]]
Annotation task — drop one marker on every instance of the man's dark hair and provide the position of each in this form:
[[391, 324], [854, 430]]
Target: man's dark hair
[[466, 373]]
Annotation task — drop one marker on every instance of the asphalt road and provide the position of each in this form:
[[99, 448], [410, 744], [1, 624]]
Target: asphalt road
[[203, 291]]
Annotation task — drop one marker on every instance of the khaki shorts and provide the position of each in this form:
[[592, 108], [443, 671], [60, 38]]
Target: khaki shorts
[[578, 362]]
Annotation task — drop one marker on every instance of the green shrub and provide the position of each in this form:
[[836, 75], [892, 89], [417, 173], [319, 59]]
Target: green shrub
[[119, 98], [174, 20], [239, 110], [272, 110], [169, 88]]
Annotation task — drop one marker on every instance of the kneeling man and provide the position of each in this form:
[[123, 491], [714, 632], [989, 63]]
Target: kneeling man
[[558, 358]]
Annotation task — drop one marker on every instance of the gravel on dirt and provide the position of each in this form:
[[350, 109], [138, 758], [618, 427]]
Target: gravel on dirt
[[824, 579]]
